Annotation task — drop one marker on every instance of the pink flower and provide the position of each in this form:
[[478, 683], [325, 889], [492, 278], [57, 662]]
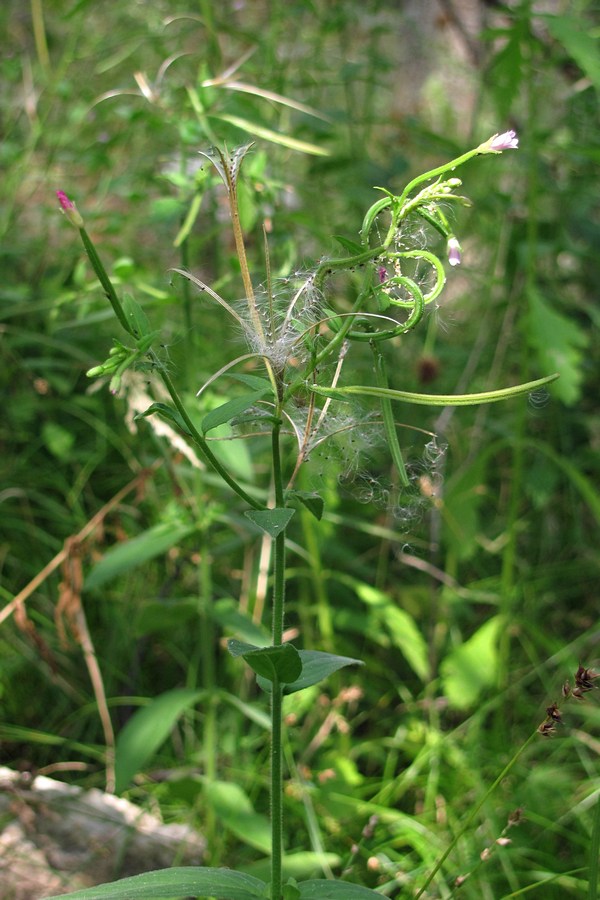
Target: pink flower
[[506, 141], [70, 210], [454, 251]]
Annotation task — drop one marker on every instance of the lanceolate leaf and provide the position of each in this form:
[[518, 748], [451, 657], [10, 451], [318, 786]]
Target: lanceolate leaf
[[168, 413], [268, 135], [344, 393], [147, 729], [130, 554], [232, 408], [135, 316], [235, 811], [184, 881]]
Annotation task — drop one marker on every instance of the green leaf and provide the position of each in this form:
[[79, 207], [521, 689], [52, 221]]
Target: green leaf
[[296, 866], [227, 613], [147, 729], [463, 497], [320, 889], [281, 663], [400, 626], [434, 399], [185, 881], [506, 69], [254, 381], [580, 42], [273, 521], [191, 216], [559, 343], [472, 667], [58, 440], [135, 315], [311, 500], [266, 134], [168, 413], [234, 810], [227, 411], [290, 891], [316, 666], [161, 616], [129, 554], [351, 246], [238, 648]]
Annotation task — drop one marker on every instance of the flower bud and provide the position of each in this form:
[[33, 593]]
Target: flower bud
[[454, 251], [508, 140], [69, 209]]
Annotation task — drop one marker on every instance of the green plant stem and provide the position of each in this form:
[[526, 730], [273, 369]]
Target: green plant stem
[[277, 691], [105, 281], [594, 853], [276, 791], [206, 452], [469, 820], [208, 644], [387, 412], [39, 34]]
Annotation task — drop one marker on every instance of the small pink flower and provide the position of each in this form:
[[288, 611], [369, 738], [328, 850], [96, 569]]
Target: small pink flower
[[506, 141], [454, 252], [70, 210]]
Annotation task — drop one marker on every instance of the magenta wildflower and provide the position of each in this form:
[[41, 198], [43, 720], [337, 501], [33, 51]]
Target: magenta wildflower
[[454, 251], [70, 210]]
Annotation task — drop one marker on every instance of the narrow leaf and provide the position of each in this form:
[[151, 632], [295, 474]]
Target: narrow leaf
[[273, 521], [168, 413], [234, 810], [351, 246], [283, 140], [188, 224], [232, 408], [135, 315], [130, 554], [147, 729], [253, 381]]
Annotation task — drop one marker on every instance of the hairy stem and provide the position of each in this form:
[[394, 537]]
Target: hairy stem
[[277, 691]]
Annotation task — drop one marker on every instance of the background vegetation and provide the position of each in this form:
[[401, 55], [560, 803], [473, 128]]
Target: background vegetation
[[474, 596]]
